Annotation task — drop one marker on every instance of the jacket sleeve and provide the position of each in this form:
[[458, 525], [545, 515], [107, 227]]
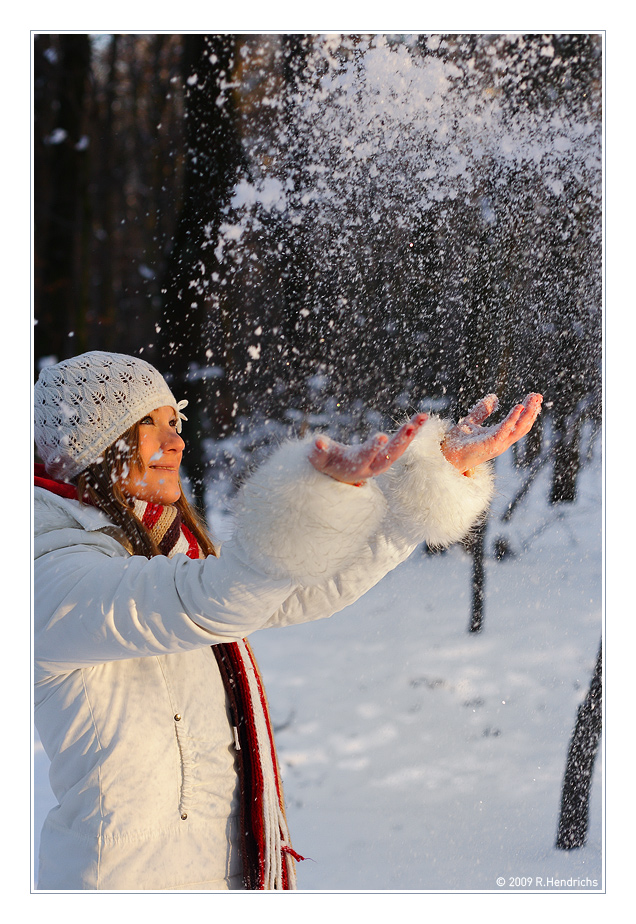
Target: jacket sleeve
[[91, 606], [423, 499]]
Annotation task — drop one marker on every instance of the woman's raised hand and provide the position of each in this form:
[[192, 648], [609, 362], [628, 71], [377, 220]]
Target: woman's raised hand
[[354, 464], [468, 444]]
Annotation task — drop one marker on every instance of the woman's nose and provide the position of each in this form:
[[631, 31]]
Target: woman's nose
[[172, 441]]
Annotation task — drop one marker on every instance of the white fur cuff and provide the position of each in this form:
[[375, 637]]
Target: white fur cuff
[[430, 499], [293, 521]]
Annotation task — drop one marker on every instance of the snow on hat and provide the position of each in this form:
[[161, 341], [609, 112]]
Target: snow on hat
[[82, 405]]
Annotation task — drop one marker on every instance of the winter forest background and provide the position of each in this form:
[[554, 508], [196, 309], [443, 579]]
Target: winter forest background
[[314, 230], [335, 231]]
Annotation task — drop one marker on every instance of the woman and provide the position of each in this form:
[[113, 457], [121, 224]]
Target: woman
[[148, 700]]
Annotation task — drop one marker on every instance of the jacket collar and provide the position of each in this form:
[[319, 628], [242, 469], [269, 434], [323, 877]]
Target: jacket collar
[[61, 488], [63, 497]]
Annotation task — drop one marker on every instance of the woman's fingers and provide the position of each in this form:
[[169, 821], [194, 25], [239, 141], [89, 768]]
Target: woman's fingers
[[321, 453], [507, 426], [533, 403], [518, 422], [354, 464], [379, 452], [530, 408], [521, 418], [371, 447], [483, 409], [398, 443]]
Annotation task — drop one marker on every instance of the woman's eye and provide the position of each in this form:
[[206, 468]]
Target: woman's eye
[[146, 420]]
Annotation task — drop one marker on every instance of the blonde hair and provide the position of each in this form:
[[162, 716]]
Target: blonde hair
[[100, 485]]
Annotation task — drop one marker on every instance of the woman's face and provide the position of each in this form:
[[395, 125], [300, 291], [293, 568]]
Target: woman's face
[[160, 449]]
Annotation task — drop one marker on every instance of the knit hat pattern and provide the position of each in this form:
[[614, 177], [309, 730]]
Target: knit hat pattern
[[82, 405]]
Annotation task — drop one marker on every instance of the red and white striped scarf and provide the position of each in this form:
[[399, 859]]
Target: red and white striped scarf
[[268, 858]]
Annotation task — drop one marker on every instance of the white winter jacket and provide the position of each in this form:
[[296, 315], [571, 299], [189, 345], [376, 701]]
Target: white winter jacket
[[129, 703]]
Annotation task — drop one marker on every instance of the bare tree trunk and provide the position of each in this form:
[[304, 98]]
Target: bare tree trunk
[[567, 459], [61, 184], [575, 798], [109, 180], [196, 330], [476, 546]]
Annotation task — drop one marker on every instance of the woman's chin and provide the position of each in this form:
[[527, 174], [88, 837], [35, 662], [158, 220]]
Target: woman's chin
[[158, 496], [167, 497]]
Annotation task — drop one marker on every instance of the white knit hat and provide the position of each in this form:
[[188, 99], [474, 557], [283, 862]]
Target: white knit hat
[[82, 405]]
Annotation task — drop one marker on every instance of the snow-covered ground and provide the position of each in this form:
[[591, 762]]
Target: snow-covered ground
[[417, 756]]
